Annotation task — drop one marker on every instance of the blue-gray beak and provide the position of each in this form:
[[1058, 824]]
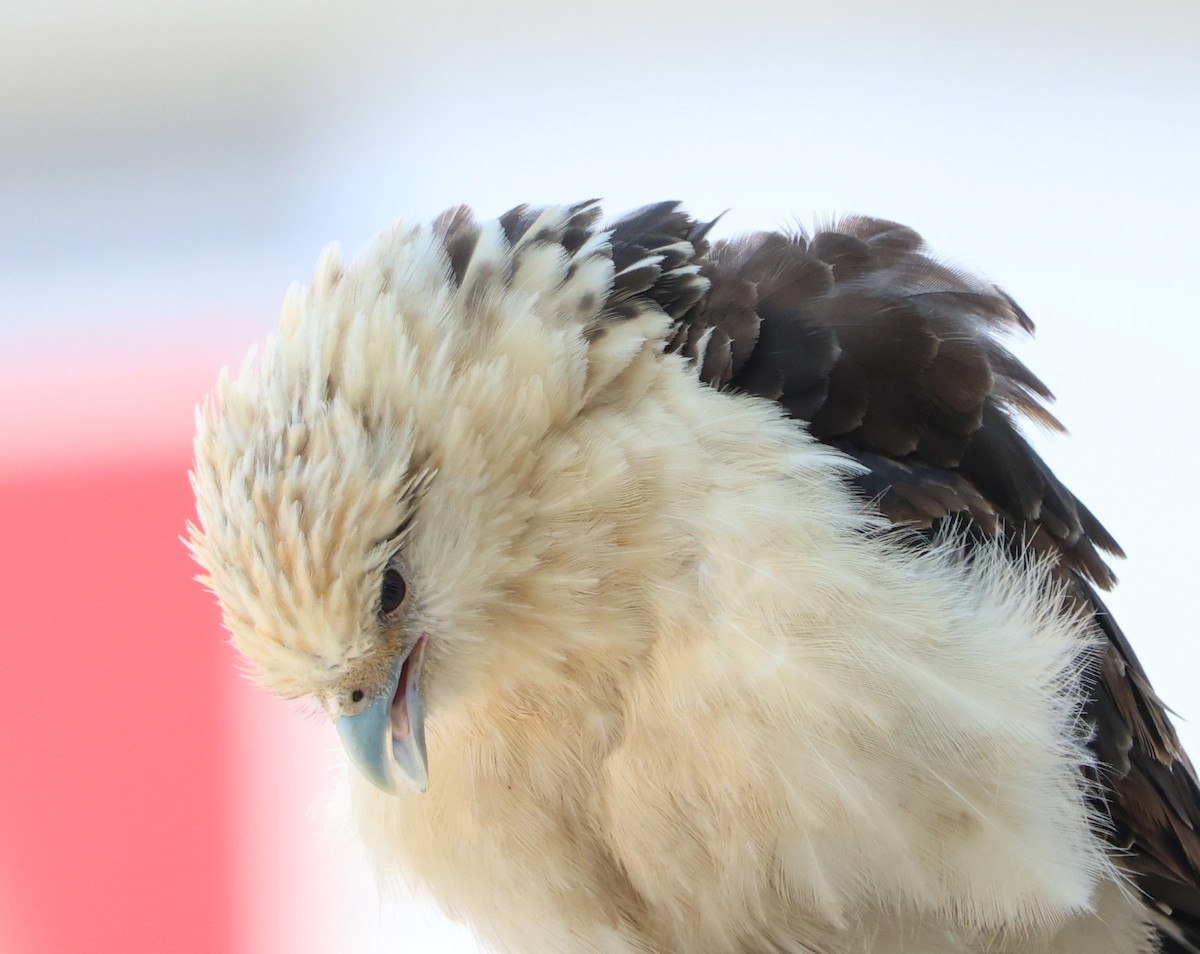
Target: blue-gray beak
[[386, 740]]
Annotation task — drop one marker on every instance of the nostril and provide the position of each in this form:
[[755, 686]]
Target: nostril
[[356, 695]]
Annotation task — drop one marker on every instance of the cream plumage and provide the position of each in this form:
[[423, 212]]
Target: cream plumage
[[529, 501]]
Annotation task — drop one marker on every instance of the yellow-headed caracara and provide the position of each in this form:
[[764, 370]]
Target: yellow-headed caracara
[[690, 598]]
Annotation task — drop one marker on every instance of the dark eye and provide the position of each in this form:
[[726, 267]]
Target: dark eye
[[391, 594]]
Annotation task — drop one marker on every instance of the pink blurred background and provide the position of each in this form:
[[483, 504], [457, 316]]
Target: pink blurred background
[[166, 170]]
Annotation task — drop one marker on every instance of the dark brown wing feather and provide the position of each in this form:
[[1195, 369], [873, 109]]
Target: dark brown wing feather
[[895, 358]]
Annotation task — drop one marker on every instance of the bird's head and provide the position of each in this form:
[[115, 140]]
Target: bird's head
[[365, 488]]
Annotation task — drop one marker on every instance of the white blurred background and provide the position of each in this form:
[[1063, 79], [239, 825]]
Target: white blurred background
[[167, 169]]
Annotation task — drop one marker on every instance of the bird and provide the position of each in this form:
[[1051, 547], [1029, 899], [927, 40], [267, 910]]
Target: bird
[[680, 594]]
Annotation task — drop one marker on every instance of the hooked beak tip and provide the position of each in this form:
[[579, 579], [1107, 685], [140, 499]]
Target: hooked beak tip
[[386, 740]]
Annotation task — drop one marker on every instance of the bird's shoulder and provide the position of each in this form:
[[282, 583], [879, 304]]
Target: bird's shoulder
[[884, 351], [897, 359]]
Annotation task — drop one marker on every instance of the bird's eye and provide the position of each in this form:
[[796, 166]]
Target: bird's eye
[[391, 594], [356, 695]]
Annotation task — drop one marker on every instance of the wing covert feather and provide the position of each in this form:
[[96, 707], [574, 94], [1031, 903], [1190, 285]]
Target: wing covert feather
[[896, 358]]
